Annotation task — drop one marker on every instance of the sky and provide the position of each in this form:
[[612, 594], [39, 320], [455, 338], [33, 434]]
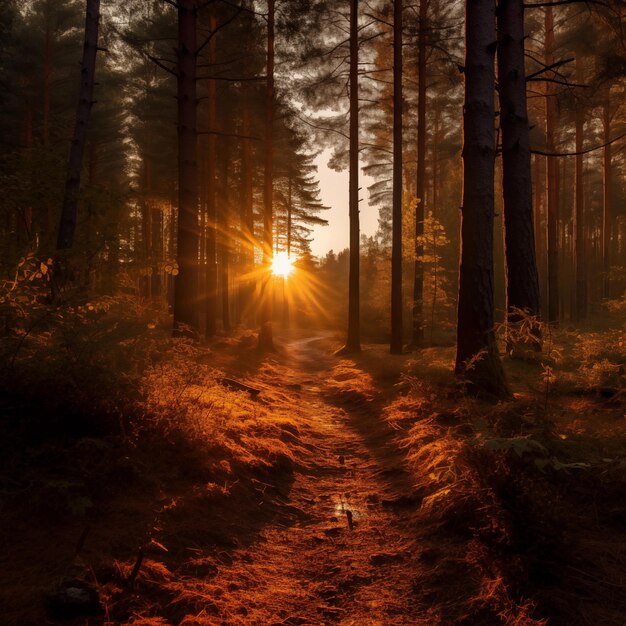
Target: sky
[[334, 193]]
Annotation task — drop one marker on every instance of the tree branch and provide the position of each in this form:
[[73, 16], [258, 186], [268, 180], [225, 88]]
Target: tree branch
[[220, 134], [230, 79], [549, 67], [160, 64], [592, 149], [217, 30]]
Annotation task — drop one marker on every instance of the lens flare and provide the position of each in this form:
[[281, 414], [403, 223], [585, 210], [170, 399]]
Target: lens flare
[[282, 265]]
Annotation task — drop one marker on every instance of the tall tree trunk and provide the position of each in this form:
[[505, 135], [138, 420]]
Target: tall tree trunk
[[606, 198], [420, 210], [186, 285], [211, 234], [67, 225], [353, 342], [580, 252], [47, 72], [248, 241], [522, 282], [289, 213], [24, 215], [157, 251], [224, 231], [477, 358], [539, 211], [435, 145], [146, 227], [552, 178], [289, 225], [396, 250], [266, 341], [47, 75], [90, 251]]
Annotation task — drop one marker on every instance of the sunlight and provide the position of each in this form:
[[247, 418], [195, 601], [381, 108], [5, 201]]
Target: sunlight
[[282, 264]]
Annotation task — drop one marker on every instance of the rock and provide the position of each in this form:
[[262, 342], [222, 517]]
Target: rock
[[73, 598]]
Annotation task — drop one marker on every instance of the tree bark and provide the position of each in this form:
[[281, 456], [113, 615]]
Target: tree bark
[[580, 253], [186, 284], [606, 198], [67, 225], [90, 251], [435, 144], [211, 220], [48, 239], [552, 178], [539, 233], [157, 251], [477, 359], [47, 73], [266, 341], [146, 226], [353, 342], [396, 250], [224, 230], [248, 243], [420, 210], [521, 264]]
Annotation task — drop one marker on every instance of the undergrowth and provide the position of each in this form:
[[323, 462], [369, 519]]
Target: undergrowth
[[526, 490], [114, 431]]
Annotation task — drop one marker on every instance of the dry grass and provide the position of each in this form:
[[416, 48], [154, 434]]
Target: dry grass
[[525, 495], [513, 512], [111, 426]]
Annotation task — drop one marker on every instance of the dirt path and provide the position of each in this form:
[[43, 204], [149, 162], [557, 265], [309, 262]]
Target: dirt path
[[343, 553]]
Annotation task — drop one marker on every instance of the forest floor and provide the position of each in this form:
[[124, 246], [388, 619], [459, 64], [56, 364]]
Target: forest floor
[[363, 490]]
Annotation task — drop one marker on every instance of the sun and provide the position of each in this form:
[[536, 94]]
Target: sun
[[282, 264]]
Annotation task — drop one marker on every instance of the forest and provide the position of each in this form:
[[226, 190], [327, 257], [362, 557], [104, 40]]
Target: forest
[[313, 313]]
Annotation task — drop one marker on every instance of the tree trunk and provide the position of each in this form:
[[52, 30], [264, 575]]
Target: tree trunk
[[289, 226], [552, 179], [24, 216], [186, 284], [353, 342], [157, 251], [539, 212], [606, 198], [266, 341], [47, 71], [211, 234], [435, 145], [146, 228], [289, 214], [420, 211], [396, 251], [224, 231], [521, 264], [67, 225], [477, 358], [90, 248], [47, 75], [580, 253], [248, 243]]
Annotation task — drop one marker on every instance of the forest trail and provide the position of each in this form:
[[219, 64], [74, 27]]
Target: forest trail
[[344, 551]]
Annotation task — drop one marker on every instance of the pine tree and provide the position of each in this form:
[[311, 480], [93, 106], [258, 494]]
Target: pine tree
[[521, 264], [396, 345], [477, 358], [67, 225]]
